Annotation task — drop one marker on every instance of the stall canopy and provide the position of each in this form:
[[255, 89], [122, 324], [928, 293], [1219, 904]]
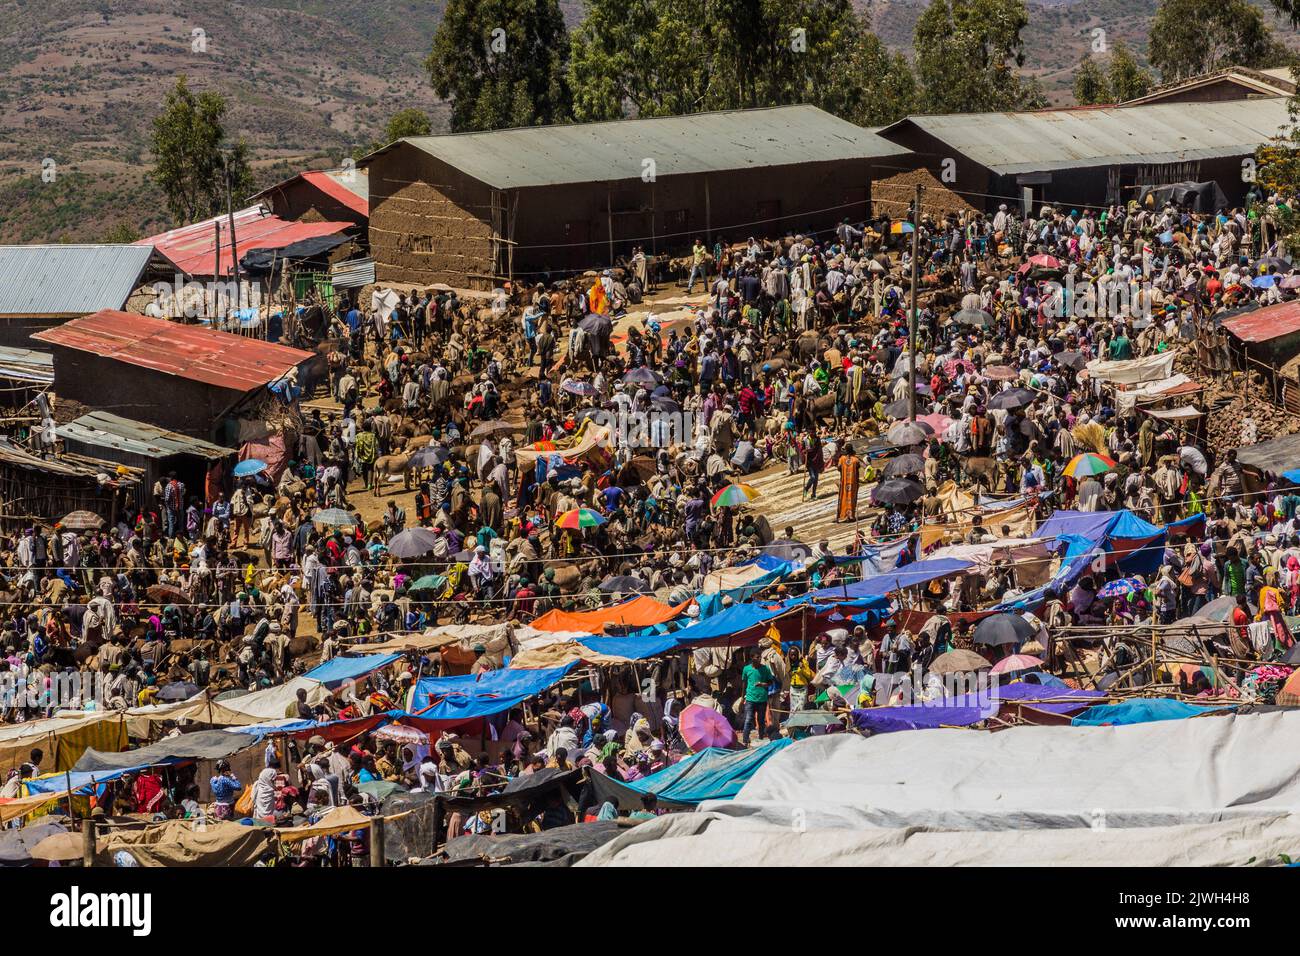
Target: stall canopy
[[639, 612], [460, 699], [200, 745], [1142, 712], [340, 669], [711, 774], [878, 585], [970, 709]]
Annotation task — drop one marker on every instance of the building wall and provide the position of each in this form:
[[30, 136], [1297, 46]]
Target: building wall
[[569, 228], [16, 330], [428, 222], [300, 200], [1217, 92], [177, 404]]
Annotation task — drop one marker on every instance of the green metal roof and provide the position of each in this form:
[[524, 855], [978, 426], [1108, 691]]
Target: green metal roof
[[677, 145], [105, 430]]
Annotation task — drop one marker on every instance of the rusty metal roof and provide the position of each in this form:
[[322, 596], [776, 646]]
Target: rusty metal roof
[[1041, 140], [186, 351], [347, 186], [1266, 324], [193, 248], [664, 145]]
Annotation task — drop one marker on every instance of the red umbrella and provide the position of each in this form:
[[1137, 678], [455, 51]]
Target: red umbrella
[[703, 727]]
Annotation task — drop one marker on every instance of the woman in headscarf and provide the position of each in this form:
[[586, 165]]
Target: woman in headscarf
[[264, 793]]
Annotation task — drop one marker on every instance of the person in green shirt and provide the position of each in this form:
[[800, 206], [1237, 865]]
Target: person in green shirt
[[758, 680]]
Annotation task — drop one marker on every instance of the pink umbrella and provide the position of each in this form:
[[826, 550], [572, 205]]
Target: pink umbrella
[[936, 421], [1016, 662], [1290, 282], [703, 727]]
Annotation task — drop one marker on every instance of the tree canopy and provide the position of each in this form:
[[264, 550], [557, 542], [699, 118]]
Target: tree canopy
[[190, 159]]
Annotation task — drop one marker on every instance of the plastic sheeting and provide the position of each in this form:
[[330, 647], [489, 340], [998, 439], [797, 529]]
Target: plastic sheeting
[[340, 669], [971, 708], [458, 699], [919, 572], [711, 774], [726, 626], [1141, 712], [639, 612], [201, 745]]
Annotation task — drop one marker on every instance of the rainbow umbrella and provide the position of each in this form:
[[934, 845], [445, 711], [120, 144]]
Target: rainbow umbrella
[[1081, 466], [901, 226], [579, 518], [733, 496], [1016, 662]]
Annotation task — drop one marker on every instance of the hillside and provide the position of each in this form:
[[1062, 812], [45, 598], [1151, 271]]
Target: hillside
[[307, 81]]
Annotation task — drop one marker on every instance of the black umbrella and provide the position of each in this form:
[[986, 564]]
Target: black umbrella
[[897, 491], [904, 465], [596, 324], [1071, 360], [624, 584], [178, 690], [412, 543], [1270, 262], [910, 433], [1003, 629], [975, 317], [898, 409], [430, 456], [642, 376], [494, 427], [1013, 398], [662, 404]]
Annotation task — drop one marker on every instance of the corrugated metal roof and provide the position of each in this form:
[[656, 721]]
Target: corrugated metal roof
[[105, 430], [1010, 143], [699, 143], [350, 186], [26, 365], [353, 273], [1270, 322], [186, 351], [69, 279], [192, 249], [73, 466]]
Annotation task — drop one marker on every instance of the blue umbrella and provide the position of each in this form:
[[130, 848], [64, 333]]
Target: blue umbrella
[[1166, 237], [1263, 282], [250, 466], [1120, 588]]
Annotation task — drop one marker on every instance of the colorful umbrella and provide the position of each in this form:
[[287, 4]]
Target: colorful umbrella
[[1016, 662], [1087, 464], [1123, 586], [702, 727], [901, 226], [402, 734], [579, 518], [575, 387], [249, 466], [733, 496]]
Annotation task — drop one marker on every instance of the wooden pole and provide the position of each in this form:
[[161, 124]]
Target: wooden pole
[[911, 319], [88, 841], [609, 223], [377, 842]]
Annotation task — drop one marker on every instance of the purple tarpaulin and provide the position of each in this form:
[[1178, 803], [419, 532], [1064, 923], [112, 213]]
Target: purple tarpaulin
[[971, 708]]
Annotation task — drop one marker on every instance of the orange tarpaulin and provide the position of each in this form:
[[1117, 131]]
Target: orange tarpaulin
[[639, 612]]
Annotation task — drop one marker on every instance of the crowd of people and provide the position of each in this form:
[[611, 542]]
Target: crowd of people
[[434, 484]]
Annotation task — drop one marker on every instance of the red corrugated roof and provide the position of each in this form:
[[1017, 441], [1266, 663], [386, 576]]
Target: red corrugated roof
[[193, 248], [1270, 322], [337, 191], [187, 351]]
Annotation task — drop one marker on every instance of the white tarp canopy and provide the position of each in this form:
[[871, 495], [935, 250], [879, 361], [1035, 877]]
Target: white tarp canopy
[[1148, 368], [997, 791]]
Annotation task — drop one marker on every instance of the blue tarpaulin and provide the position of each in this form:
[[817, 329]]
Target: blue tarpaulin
[[639, 647], [878, 585], [970, 708], [776, 569], [1142, 712], [340, 669], [728, 623], [711, 774], [481, 695]]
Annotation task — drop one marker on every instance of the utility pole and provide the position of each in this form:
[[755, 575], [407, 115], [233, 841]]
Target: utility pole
[[911, 319], [234, 249]]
